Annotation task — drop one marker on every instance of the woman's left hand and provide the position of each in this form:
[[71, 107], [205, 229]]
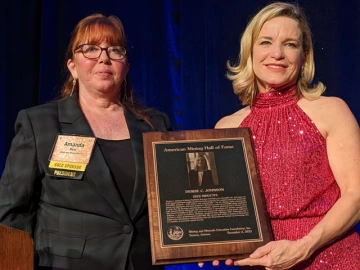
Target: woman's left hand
[[276, 255]]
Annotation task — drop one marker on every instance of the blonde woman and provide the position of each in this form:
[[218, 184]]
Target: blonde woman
[[307, 146]]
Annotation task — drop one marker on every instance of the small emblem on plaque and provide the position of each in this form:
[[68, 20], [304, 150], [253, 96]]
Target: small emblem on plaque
[[175, 232]]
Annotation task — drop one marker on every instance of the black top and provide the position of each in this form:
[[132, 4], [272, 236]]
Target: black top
[[76, 224], [119, 157]]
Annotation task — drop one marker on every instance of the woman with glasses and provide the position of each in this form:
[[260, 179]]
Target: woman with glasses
[[74, 177]]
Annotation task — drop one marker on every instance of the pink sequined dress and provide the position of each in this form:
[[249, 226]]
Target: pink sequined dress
[[298, 183]]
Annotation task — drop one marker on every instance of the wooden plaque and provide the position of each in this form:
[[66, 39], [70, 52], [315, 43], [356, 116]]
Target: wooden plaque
[[219, 215]]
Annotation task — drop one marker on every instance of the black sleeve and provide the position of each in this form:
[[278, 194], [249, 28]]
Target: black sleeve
[[160, 121], [20, 179]]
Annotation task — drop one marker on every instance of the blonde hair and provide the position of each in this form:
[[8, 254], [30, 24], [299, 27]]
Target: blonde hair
[[206, 166], [242, 74]]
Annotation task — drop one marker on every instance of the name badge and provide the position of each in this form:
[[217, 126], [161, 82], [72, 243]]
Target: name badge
[[70, 156]]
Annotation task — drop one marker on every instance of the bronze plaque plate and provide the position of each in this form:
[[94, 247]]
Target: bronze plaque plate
[[204, 197]]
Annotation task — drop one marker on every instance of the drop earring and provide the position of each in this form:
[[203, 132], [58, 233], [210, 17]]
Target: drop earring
[[73, 86]]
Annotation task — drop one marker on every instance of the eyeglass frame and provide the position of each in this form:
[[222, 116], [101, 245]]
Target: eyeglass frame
[[79, 47]]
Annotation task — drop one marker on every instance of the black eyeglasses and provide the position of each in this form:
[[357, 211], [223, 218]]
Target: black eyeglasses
[[94, 51]]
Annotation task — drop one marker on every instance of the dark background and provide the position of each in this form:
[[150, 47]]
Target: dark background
[[178, 56]]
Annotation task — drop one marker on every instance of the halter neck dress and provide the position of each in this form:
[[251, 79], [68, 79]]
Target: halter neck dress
[[296, 177]]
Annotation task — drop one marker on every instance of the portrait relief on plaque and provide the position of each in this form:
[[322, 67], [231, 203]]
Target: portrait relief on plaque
[[202, 169]]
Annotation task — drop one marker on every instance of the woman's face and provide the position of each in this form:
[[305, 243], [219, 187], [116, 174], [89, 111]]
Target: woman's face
[[278, 54], [101, 75], [200, 162]]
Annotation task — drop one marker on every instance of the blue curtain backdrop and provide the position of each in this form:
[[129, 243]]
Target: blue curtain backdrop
[[178, 55]]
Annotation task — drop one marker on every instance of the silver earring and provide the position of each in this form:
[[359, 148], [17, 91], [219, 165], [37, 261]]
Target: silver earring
[[73, 86], [302, 72]]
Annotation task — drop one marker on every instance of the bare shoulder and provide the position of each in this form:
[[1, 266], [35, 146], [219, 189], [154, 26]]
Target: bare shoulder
[[328, 113], [233, 120], [329, 106]]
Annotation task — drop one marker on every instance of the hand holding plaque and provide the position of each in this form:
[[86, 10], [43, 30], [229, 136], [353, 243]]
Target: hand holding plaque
[[204, 197]]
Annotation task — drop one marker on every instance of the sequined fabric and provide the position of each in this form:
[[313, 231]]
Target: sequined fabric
[[298, 184]]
